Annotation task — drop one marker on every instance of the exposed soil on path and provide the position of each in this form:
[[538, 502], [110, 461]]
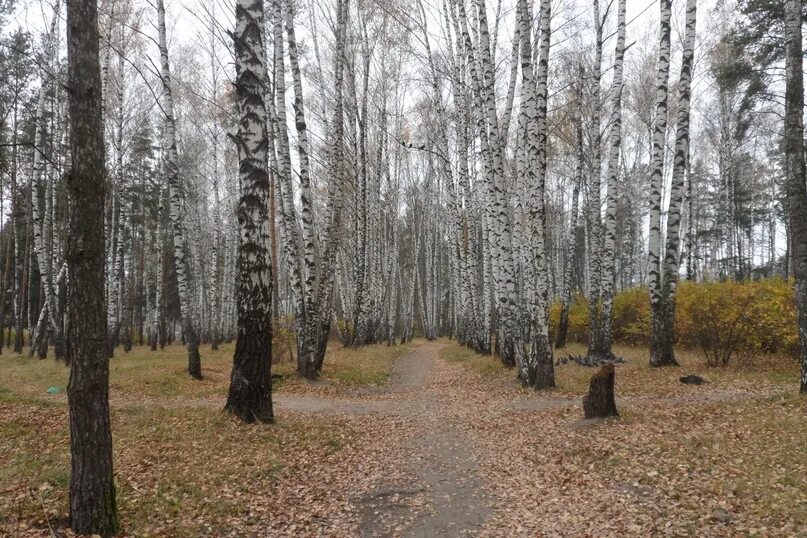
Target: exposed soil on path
[[450, 497]]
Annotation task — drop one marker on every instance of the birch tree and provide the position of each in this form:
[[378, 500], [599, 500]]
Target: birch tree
[[568, 273], [250, 383], [534, 351], [660, 351], [593, 199], [672, 256], [40, 184], [171, 165], [605, 303], [314, 297]]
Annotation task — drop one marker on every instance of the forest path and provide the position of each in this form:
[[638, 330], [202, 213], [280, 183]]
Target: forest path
[[445, 496], [429, 462]]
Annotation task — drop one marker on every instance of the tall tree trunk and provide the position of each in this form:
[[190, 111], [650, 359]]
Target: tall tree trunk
[[175, 204], [594, 217], [536, 367], [661, 352], [496, 213], [672, 257], [39, 184], [796, 189], [329, 241], [571, 249], [250, 395], [608, 253], [118, 286], [92, 488], [308, 336], [15, 237]]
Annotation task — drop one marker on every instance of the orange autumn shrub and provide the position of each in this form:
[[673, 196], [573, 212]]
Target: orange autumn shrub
[[718, 319]]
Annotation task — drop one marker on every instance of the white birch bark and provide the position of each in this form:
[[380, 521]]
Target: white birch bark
[[249, 396], [603, 343], [571, 247], [681, 159], [594, 186], [175, 202], [39, 182], [656, 183], [536, 366]]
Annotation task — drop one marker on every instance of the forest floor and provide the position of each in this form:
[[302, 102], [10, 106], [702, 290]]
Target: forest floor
[[426, 439]]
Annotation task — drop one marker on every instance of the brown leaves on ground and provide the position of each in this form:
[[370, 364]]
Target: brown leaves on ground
[[199, 472], [724, 459]]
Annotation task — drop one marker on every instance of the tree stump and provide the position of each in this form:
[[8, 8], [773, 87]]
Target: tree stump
[[600, 401]]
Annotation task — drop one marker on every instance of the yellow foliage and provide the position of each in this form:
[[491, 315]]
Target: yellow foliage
[[631, 323], [723, 320], [578, 319], [284, 339]]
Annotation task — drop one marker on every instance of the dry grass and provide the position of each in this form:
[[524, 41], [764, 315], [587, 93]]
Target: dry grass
[[189, 470], [724, 469], [179, 472], [143, 374], [671, 465], [346, 368], [637, 379], [487, 365], [674, 463]]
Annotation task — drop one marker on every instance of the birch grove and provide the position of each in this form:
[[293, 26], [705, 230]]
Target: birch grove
[[286, 183], [469, 171]]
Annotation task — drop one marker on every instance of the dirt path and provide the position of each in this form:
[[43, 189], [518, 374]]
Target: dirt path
[[445, 493], [451, 498], [440, 484]]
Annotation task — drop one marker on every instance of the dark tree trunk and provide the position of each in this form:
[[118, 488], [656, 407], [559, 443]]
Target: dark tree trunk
[[796, 189], [250, 396], [92, 488], [563, 326], [22, 281], [600, 401], [6, 272], [59, 344], [662, 336]]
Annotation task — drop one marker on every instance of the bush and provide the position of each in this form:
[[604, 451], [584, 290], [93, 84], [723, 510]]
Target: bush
[[631, 324], [284, 340], [719, 320], [725, 321], [345, 329], [578, 319]]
